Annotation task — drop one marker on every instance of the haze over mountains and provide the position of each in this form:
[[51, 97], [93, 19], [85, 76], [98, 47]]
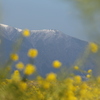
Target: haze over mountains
[[51, 45]]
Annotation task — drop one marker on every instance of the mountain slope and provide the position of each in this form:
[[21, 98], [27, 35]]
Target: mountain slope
[[51, 44]]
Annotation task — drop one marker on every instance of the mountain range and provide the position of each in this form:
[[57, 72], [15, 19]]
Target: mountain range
[[51, 45]]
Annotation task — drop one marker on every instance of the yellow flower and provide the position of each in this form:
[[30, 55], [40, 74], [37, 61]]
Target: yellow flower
[[16, 72], [69, 93], [26, 33], [83, 92], [20, 66], [30, 69], [32, 53], [69, 81], [70, 87], [39, 78], [23, 86], [14, 57], [84, 85], [88, 76], [93, 47], [76, 67], [40, 95], [51, 76], [89, 71], [16, 76], [46, 85], [72, 98], [56, 64], [98, 79], [77, 79]]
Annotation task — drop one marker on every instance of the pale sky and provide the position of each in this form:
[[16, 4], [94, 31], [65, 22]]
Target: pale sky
[[43, 14]]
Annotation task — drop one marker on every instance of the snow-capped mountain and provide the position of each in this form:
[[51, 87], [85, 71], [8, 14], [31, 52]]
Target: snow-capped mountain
[[51, 45]]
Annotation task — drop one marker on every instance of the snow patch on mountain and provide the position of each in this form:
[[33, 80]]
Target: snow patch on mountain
[[20, 30], [5, 26]]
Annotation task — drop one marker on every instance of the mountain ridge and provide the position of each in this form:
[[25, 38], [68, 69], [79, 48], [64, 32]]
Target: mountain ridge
[[46, 31]]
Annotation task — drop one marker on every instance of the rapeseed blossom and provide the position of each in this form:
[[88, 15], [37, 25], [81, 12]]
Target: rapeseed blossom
[[14, 57], [89, 71], [72, 98], [76, 67], [98, 79], [16, 76], [77, 79], [20, 65], [51, 76], [88, 75], [32, 53], [84, 86], [56, 64], [26, 33], [23, 86], [93, 47], [46, 84], [29, 69]]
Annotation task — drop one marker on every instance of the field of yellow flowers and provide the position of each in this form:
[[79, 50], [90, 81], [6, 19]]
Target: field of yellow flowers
[[17, 86]]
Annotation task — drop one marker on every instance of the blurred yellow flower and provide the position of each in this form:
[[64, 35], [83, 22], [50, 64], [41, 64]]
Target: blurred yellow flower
[[72, 98], [56, 64], [84, 85], [40, 95], [51, 76], [68, 80], [88, 76], [20, 66], [46, 85], [76, 67], [93, 47], [32, 53], [77, 79], [16, 76], [39, 78], [98, 79], [23, 86], [69, 93], [70, 87], [83, 92], [14, 57], [30, 69], [89, 71], [16, 72], [26, 33]]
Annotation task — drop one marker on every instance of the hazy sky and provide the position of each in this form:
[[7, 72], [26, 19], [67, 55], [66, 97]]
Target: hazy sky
[[43, 14]]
